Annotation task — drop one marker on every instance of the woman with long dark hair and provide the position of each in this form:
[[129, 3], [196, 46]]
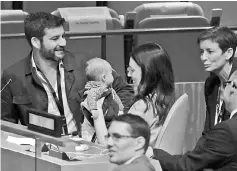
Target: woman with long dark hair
[[151, 72], [153, 80]]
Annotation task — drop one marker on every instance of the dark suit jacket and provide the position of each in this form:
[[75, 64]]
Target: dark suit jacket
[[26, 90], [217, 151], [139, 164], [212, 84], [124, 91]]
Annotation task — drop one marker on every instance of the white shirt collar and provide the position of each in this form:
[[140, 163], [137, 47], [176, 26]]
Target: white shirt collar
[[34, 65], [33, 61], [133, 158], [232, 113]]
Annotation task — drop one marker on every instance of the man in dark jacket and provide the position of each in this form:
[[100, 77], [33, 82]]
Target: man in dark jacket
[[48, 79]]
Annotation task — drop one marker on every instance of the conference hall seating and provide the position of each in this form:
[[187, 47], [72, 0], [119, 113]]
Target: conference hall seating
[[169, 14], [173, 131], [48, 6], [13, 49], [197, 110], [180, 45]]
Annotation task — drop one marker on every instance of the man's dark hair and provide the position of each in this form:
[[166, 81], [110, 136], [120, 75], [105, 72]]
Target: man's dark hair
[[36, 23], [221, 35], [139, 127]]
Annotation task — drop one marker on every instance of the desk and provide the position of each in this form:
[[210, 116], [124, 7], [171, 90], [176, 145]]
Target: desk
[[15, 157]]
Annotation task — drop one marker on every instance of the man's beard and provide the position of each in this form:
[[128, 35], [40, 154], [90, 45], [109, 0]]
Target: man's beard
[[50, 54]]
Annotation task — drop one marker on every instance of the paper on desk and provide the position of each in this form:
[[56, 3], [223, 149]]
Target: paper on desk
[[76, 138], [21, 141]]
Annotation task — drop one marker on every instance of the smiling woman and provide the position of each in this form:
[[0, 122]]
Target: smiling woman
[[151, 70], [135, 72]]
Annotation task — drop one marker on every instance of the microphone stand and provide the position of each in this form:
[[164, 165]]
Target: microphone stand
[[10, 80]]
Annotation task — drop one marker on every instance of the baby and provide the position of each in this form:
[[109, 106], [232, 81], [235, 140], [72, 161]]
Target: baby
[[99, 85]]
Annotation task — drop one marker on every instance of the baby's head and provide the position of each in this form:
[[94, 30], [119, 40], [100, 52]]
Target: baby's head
[[98, 69]]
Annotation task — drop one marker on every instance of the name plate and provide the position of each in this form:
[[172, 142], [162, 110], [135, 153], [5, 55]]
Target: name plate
[[85, 19], [86, 23], [44, 122]]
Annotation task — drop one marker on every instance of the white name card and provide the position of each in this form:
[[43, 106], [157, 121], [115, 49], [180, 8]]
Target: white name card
[[86, 23], [86, 19]]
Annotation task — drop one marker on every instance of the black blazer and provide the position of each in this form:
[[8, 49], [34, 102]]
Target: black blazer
[[217, 151], [212, 84], [26, 90]]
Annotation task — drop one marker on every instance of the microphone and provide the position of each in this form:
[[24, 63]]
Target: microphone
[[9, 81]]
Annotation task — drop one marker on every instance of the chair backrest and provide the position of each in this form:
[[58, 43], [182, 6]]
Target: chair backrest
[[13, 50], [48, 6], [172, 134], [169, 14], [180, 45], [12, 21], [197, 108], [174, 22], [183, 50]]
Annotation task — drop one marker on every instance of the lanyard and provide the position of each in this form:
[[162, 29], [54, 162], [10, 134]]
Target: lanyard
[[219, 109], [58, 100]]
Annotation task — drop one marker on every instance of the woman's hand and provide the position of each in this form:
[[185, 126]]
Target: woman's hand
[[99, 123], [94, 113], [99, 111]]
